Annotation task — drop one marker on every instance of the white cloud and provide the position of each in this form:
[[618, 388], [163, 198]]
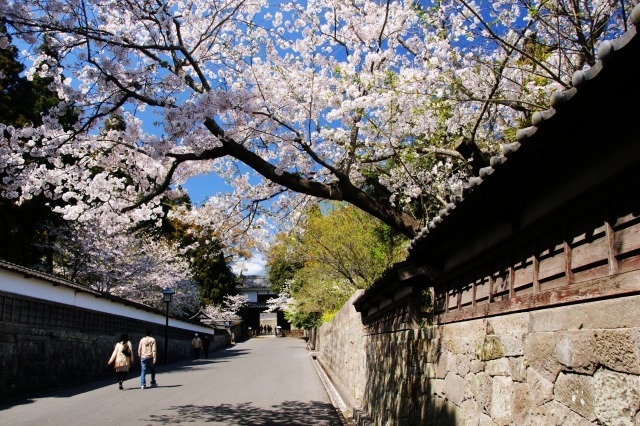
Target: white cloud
[[253, 266]]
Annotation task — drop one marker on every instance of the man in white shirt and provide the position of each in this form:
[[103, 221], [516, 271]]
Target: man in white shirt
[[147, 354]]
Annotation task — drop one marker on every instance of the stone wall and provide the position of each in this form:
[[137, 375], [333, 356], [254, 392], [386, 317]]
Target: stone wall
[[341, 351], [576, 364], [46, 345]]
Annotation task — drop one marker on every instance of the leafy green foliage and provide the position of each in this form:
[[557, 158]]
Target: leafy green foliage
[[212, 273], [339, 249], [305, 320], [282, 264]]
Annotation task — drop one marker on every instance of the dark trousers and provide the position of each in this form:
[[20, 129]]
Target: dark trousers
[[122, 376], [196, 353]]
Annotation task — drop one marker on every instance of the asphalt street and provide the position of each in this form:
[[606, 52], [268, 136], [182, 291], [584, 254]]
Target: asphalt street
[[261, 381]]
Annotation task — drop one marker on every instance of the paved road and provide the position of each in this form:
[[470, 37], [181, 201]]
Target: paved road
[[262, 381]]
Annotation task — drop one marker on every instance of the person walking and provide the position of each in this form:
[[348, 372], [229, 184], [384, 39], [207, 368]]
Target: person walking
[[123, 357], [196, 344], [205, 345], [147, 354]]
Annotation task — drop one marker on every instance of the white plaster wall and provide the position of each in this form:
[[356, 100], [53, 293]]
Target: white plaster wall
[[16, 283]]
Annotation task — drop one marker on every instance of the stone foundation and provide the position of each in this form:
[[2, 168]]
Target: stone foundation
[[577, 364]]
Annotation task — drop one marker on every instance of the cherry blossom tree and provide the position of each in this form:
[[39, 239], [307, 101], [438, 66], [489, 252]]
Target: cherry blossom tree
[[294, 310], [283, 301], [127, 265], [228, 310], [387, 105]]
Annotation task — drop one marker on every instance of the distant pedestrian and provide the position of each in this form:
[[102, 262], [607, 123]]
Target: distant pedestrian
[[196, 344], [147, 354], [123, 357], [205, 345]]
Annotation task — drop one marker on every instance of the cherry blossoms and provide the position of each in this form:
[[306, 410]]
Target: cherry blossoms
[[283, 302], [128, 265], [387, 105], [227, 311]]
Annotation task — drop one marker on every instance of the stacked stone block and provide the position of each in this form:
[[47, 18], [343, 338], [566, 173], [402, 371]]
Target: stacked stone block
[[570, 365], [340, 344]]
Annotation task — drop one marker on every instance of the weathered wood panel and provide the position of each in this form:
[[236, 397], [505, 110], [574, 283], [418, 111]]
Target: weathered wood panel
[[483, 287], [453, 299], [500, 286], [597, 243], [629, 264], [440, 302], [619, 285], [522, 268], [627, 237], [467, 290], [551, 256], [589, 252]]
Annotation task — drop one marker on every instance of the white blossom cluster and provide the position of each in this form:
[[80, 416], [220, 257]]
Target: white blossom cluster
[[228, 310], [284, 302], [128, 265], [314, 99]]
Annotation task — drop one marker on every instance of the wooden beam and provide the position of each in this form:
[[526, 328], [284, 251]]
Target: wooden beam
[[473, 291], [611, 246], [568, 274], [619, 285], [536, 268], [512, 279]]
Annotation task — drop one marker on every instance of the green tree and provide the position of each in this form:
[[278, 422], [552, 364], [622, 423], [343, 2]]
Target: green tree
[[338, 249], [211, 272], [305, 320], [344, 243], [281, 263]]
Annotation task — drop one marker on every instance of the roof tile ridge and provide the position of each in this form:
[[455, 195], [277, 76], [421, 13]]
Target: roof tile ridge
[[557, 100]]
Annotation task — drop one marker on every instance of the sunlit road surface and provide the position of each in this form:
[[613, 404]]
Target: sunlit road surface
[[262, 381]]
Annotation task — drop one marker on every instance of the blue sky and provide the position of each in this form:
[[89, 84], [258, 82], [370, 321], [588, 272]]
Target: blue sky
[[203, 186]]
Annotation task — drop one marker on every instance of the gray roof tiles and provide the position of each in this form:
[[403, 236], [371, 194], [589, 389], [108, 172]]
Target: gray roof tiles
[[254, 281], [559, 100]]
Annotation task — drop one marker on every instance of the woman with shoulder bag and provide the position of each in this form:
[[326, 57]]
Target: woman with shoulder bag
[[123, 357]]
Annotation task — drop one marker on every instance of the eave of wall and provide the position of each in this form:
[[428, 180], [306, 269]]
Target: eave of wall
[[584, 142], [587, 139], [395, 285], [42, 277], [20, 281]]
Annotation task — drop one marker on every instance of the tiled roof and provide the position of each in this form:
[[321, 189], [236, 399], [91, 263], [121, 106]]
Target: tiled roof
[[254, 281], [57, 281], [256, 305], [613, 79], [625, 46]]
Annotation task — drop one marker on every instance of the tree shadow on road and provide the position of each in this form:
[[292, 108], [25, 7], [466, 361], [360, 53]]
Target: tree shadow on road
[[287, 413]]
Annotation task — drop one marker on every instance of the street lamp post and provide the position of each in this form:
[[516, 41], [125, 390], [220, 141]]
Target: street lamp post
[[167, 295]]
